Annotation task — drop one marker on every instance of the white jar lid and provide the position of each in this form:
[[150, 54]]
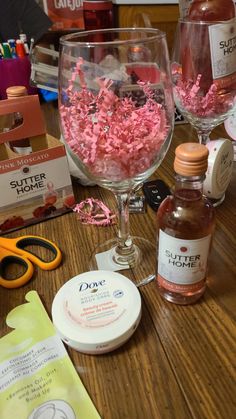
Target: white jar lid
[[97, 311], [230, 126], [220, 167]]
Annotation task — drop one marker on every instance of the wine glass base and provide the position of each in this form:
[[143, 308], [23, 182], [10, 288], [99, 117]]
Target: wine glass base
[[140, 269], [217, 202]]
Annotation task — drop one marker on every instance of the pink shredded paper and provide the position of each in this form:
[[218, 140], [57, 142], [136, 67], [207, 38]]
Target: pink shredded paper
[[93, 211], [210, 105], [113, 137]]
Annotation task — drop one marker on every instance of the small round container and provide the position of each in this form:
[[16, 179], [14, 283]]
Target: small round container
[[220, 166], [230, 126], [96, 312]]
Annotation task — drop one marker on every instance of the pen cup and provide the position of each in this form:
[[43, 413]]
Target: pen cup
[[15, 72]]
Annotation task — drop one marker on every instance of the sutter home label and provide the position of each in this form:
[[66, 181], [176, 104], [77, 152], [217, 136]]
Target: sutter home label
[[223, 49], [182, 261], [34, 187]]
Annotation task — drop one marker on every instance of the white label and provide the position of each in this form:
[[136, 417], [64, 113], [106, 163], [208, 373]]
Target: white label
[[31, 361], [223, 49], [220, 167], [230, 126], [97, 304], [182, 261], [224, 172], [30, 180]]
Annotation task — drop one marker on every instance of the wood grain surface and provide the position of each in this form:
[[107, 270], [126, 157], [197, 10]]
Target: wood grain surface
[[163, 17], [180, 363]]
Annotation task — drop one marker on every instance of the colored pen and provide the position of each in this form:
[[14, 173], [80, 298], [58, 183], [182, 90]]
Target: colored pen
[[23, 38], [31, 46], [6, 50], [12, 44], [20, 49]]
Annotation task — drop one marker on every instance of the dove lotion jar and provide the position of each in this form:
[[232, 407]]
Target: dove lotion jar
[[96, 312]]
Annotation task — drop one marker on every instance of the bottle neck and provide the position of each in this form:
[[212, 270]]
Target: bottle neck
[[188, 188]]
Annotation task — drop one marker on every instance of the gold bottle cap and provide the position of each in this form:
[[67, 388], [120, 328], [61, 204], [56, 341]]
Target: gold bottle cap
[[16, 91], [191, 159]]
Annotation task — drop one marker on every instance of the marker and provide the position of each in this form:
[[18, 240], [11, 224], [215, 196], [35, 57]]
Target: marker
[[1, 52], [23, 38], [12, 44], [31, 46], [20, 49], [6, 50]]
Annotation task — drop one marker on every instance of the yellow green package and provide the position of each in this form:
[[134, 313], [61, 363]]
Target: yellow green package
[[37, 377]]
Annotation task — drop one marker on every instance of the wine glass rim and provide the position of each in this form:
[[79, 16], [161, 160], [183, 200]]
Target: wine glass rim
[[67, 40], [205, 22]]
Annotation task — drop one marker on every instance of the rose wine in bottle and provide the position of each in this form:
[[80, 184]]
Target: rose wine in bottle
[[185, 225], [98, 14], [18, 146], [50, 197], [211, 10], [212, 49]]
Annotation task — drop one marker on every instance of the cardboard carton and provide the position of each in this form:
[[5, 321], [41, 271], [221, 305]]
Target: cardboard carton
[[36, 186], [65, 14]]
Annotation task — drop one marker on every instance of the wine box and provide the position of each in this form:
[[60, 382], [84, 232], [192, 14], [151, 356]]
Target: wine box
[[35, 186]]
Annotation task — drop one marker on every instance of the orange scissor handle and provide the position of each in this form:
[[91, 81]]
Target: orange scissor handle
[[7, 258], [17, 245]]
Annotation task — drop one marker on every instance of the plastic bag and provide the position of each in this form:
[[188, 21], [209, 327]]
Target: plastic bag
[[37, 377]]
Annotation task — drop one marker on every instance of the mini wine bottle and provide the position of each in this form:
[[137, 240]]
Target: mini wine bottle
[[186, 223], [21, 146]]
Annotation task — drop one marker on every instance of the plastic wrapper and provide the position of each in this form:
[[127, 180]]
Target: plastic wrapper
[[37, 377]]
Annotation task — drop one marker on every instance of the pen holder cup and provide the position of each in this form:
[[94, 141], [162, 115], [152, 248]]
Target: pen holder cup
[[15, 72]]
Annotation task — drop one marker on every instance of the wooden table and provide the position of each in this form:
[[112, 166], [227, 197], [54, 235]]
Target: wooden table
[[180, 363]]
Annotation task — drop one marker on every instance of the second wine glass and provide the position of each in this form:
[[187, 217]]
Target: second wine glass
[[116, 111], [204, 73]]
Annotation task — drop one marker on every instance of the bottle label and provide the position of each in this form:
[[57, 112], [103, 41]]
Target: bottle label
[[223, 52], [182, 264]]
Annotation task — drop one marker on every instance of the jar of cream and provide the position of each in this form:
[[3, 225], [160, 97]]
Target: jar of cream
[[96, 312]]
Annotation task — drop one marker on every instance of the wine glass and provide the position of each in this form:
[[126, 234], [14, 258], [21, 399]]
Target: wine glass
[[204, 73], [116, 113]]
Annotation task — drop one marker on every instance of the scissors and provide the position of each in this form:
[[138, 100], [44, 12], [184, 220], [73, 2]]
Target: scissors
[[12, 251]]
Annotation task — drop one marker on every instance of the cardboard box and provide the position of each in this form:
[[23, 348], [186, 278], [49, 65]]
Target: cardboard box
[[65, 15], [36, 186]]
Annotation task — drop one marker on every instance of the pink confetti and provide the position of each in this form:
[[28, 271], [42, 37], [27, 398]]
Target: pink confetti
[[94, 211], [210, 105], [111, 135]]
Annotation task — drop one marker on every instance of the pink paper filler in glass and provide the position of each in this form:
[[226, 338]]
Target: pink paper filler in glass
[[117, 120]]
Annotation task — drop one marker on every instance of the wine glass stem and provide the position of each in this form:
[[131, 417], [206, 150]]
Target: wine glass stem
[[204, 137], [125, 250]]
